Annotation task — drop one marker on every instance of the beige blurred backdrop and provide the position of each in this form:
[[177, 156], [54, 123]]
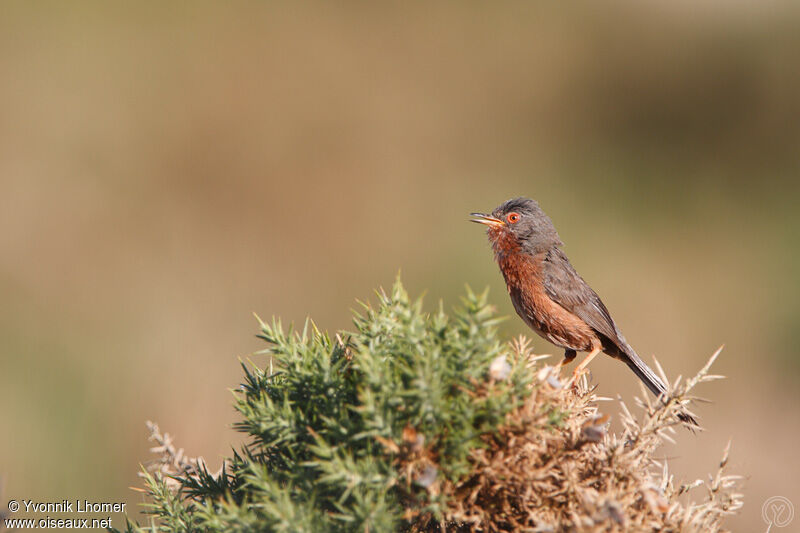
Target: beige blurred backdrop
[[166, 170]]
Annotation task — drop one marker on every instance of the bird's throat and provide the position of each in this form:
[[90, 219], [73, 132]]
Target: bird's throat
[[504, 243]]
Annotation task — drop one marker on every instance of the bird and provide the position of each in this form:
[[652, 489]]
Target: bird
[[551, 297]]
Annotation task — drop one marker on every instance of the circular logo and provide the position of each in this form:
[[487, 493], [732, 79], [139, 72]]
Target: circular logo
[[777, 511]]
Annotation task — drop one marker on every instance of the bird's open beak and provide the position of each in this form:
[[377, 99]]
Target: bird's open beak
[[488, 220]]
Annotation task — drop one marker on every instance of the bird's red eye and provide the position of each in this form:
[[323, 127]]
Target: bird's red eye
[[513, 218]]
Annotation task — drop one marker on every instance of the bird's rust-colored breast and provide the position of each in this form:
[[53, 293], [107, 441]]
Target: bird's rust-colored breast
[[523, 275]]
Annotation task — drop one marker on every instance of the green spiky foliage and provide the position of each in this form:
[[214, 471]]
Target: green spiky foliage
[[354, 432]]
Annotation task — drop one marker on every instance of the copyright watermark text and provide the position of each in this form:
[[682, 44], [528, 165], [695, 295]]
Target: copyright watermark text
[[94, 514]]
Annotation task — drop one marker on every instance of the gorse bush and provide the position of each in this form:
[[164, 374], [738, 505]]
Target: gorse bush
[[330, 416], [426, 422]]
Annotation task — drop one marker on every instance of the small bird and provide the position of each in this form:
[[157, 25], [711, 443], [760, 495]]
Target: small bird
[[550, 296]]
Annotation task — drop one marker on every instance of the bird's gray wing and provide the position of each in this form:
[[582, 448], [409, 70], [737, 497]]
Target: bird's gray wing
[[565, 287]]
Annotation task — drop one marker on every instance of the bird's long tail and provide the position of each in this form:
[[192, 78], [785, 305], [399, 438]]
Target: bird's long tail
[[653, 382], [645, 373]]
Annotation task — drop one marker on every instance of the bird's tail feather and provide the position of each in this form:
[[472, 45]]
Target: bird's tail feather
[[653, 382], [645, 373]]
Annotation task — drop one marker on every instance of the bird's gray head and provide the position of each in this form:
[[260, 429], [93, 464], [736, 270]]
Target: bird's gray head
[[519, 223]]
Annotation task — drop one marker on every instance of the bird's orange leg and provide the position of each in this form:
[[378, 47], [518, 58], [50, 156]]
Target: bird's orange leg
[[582, 366], [569, 356]]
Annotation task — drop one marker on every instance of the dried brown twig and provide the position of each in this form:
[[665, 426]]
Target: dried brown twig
[[554, 467], [171, 461]]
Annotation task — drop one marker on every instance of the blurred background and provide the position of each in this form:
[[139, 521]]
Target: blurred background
[[166, 170]]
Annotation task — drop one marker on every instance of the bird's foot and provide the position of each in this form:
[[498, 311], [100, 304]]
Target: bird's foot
[[581, 368], [574, 381]]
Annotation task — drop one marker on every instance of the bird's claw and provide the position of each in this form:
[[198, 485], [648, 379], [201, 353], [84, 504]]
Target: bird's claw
[[576, 376]]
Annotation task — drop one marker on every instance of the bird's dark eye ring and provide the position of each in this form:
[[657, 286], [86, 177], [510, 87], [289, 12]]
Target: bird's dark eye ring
[[513, 218]]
